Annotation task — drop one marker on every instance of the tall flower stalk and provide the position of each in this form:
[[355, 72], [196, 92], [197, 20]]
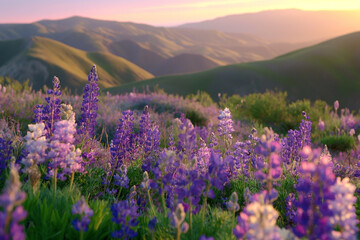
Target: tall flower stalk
[[89, 105]]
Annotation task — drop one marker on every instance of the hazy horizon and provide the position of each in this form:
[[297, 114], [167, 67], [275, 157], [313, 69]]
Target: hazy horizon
[[157, 12]]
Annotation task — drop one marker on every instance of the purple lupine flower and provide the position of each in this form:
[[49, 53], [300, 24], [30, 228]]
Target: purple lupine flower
[[203, 237], [344, 215], [213, 141], [121, 178], [305, 130], [292, 145], [152, 224], [122, 145], [171, 142], [5, 154], [38, 113], [203, 156], [125, 215], [89, 105], [13, 212], [84, 214], [51, 112], [290, 208], [145, 125], [233, 205], [63, 153], [152, 142], [312, 219], [187, 139]]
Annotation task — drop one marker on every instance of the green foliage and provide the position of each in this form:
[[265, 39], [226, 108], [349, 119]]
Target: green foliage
[[202, 97], [342, 143], [273, 109], [51, 218], [196, 118], [16, 85]]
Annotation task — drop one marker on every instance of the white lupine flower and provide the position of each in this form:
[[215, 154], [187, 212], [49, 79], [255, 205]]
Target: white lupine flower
[[36, 144], [343, 209], [225, 126], [262, 221], [67, 112]]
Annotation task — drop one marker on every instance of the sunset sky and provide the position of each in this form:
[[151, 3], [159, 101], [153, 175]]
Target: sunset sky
[[155, 12]]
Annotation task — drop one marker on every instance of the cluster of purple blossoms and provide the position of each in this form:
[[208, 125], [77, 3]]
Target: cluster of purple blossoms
[[121, 179], [187, 145], [125, 215], [292, 145], [50, 113], [63, 153], [84, 214], [5, 154], [247, 160], [312, 219], [122, 145], [89, 105], [13, 212]]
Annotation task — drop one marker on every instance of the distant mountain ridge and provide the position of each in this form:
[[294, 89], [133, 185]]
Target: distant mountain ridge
[[289, 25], [329, 71], [148, 46]]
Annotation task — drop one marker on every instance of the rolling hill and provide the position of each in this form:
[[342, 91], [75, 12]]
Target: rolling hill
[[39, 58], [185, 63], [149, 46], [289, 25], [329, 71]]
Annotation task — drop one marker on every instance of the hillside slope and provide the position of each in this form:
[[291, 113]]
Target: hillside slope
[[41, 58], [328, 71]]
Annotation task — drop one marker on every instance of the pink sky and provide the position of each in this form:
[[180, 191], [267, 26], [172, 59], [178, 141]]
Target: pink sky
[[154, 12]]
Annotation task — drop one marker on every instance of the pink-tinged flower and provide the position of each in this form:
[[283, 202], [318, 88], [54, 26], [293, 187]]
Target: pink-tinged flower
[[321, 125], [336, 105]]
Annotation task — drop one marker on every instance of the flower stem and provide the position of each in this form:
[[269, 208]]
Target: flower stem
[[151, 203], [55, 181], [72, 180]]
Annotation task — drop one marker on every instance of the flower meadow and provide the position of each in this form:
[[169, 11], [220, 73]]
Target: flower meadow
[[158, 166]]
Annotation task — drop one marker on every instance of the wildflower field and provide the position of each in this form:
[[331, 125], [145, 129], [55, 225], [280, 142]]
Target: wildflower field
[[157, 166]]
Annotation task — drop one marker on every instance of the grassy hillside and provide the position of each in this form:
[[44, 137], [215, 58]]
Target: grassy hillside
[[185, 63], [45, 57], [328, 71]]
